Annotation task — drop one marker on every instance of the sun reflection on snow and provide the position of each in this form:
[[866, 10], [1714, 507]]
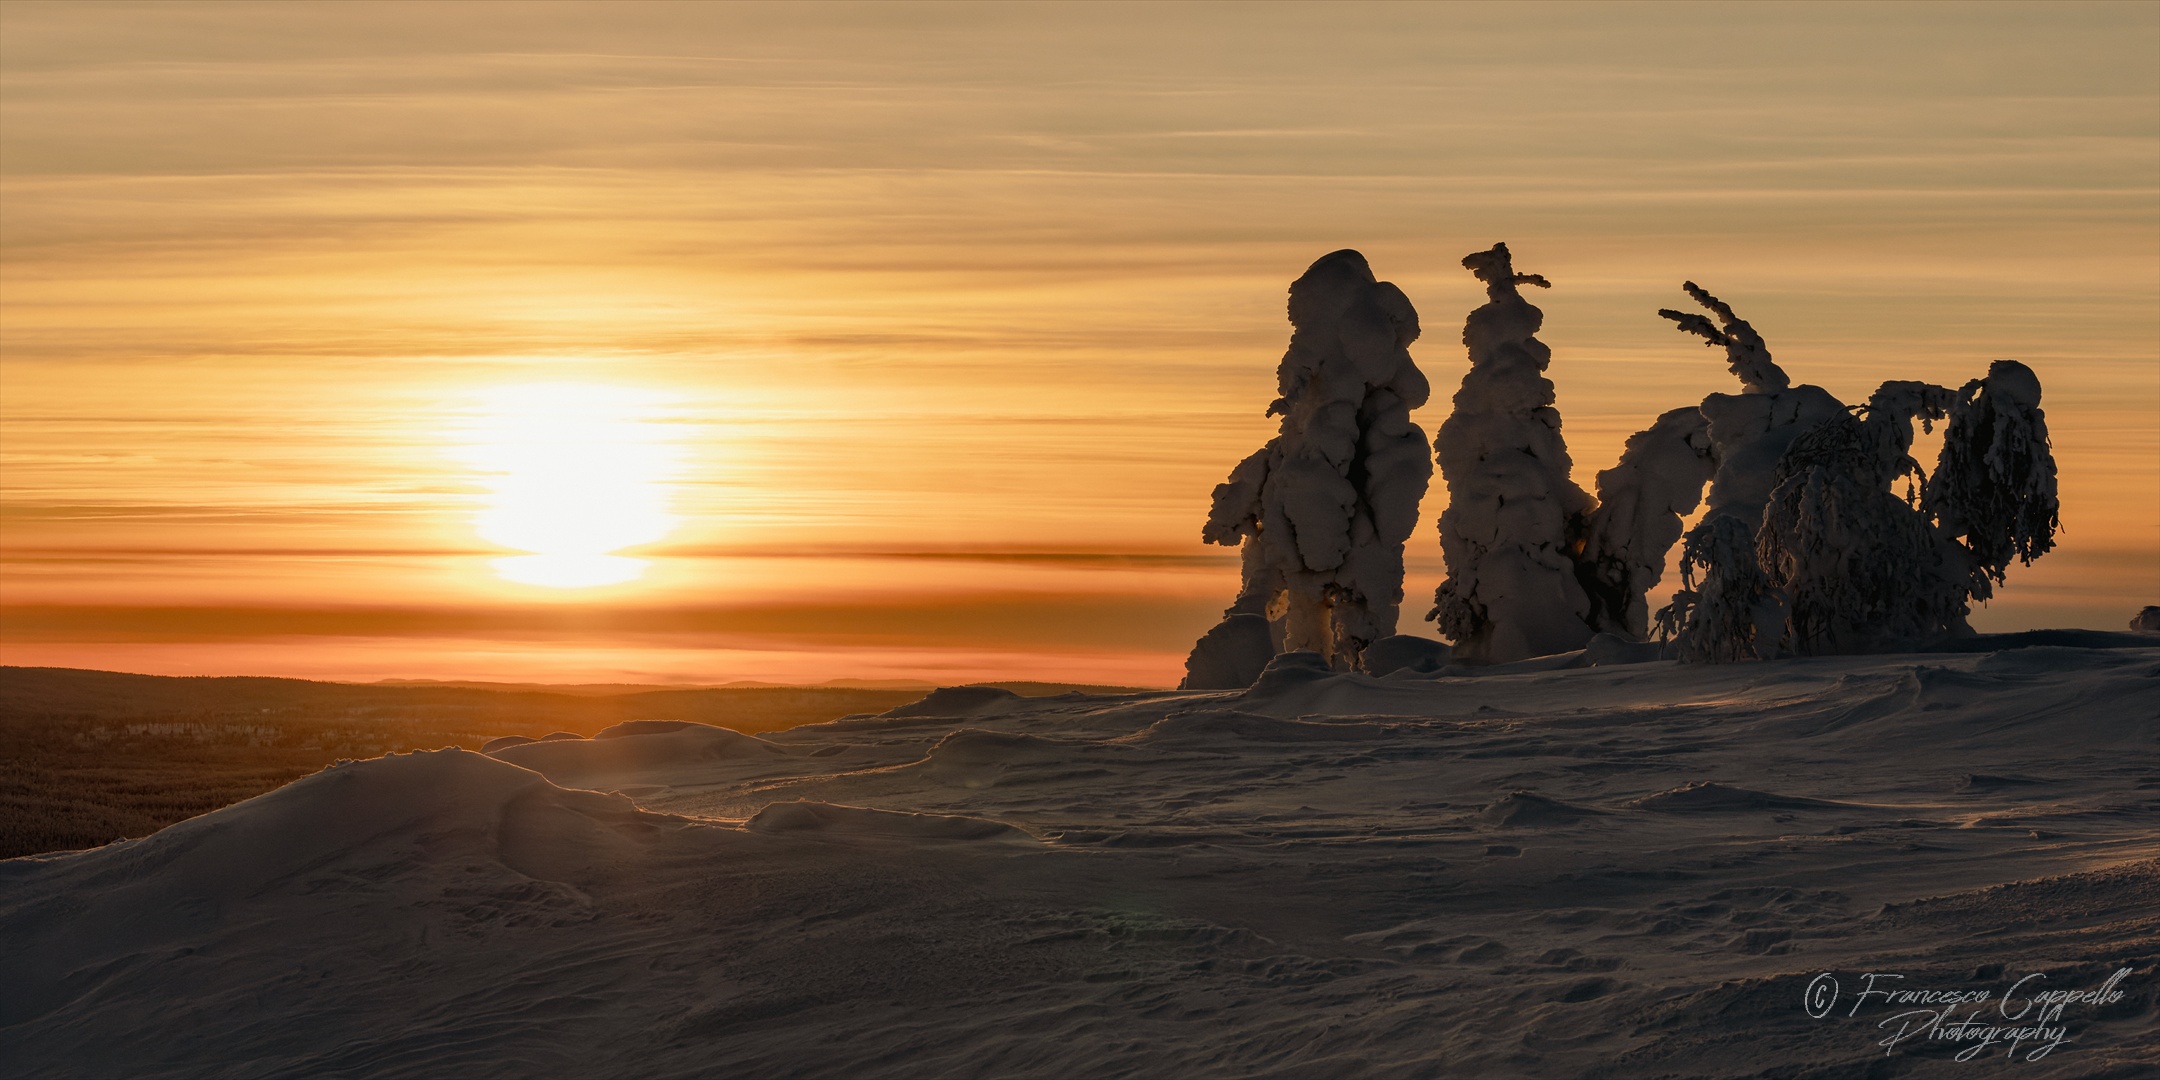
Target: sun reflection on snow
[[574, 472]]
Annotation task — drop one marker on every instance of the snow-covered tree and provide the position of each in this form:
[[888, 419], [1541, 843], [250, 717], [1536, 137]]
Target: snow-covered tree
[[1806, 547], [1726, 608], [1321, 512], [1514, 528]]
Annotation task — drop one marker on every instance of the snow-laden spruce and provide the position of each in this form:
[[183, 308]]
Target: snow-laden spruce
[[1805, 545], [1515, 523], [1321, 512], [1808, 548]]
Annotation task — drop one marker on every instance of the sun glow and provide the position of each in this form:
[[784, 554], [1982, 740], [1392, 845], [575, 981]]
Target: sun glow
[[574, 473]]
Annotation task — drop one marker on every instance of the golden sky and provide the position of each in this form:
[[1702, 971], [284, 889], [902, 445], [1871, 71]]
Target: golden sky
[[926, 330]]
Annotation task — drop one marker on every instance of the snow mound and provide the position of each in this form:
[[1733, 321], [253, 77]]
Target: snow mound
[[1288, 672], [1992, 782], [2050, 659], [2069, 639], [862, 822], [1564, 661], [392, 834], [1609, 650], [347, 811], [1231, 654], [645, 727], [1403, 652], [1705, 796], [957, 701]]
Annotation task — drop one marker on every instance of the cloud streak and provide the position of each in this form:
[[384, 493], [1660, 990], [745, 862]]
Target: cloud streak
[[250, 254]]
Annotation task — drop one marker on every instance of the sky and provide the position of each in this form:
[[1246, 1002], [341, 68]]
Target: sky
[[908, 341]]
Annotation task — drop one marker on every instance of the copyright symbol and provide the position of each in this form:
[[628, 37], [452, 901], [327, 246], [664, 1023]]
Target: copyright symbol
[[1821, 996]]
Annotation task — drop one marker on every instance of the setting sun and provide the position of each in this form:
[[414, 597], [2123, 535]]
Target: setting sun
[[360, 341], [552, 538], [573, 473]]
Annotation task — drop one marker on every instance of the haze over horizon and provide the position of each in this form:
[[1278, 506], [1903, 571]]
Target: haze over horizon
[[917, 336]]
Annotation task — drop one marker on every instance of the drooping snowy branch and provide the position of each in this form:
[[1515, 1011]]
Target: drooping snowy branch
[[1745, 351], [1994, 485], [1322, 511], [1515, 522]]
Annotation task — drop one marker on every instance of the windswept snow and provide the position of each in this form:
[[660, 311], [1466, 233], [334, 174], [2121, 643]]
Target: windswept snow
[[1615, 870]]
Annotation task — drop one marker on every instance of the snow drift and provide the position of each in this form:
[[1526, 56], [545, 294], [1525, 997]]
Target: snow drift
[[1619, 871]]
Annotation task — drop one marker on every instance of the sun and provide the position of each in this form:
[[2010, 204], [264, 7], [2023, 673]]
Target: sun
[[573, 473]]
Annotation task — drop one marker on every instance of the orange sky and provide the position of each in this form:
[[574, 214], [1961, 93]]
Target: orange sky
[[941, 322]]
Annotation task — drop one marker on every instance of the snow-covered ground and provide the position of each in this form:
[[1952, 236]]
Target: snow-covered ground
[[1635, 870]]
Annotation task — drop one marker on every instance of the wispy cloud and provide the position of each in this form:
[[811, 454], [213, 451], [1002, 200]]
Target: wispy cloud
[[998, 288]]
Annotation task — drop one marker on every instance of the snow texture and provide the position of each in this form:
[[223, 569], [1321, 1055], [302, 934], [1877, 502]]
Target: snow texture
[[1322, 511], [1515, 521], [1599, 871]]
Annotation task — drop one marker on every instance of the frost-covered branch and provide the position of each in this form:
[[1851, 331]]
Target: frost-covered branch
[[1839, 562], [1745, 352]]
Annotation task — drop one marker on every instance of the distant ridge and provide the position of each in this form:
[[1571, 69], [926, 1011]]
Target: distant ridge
[[1023, 687]]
